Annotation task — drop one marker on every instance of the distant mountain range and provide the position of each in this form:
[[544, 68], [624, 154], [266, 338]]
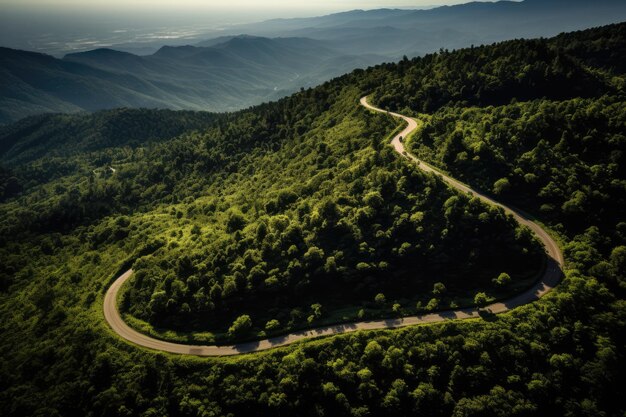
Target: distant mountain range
[[235, 74], [250, 64], [394, 32]]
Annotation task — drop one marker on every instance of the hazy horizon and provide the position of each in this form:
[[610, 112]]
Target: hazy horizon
[[59, 27], [251, 8]]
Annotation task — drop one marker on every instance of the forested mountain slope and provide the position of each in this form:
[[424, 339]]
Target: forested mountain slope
[[560, 153], [299, 201], [65, 135], [315, 212]]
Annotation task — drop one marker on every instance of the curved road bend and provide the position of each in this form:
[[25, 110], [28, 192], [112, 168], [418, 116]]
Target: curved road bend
[[549, 280]]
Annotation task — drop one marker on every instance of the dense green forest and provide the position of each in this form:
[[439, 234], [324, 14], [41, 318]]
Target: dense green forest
[[562, 160], [560, 154], [588, 64], [300, 199], [290, 225]]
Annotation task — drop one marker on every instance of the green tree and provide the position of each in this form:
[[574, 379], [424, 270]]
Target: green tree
[[432, 305], [272, 325], [380, 299], [158, 302], [241, 326], [317, 311], [501, 186], [480, 299], [439, 289], [314, 256], [502, 280], [397, 308]]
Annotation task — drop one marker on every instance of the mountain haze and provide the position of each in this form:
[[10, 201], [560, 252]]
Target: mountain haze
[[239, 72], [394, 32]]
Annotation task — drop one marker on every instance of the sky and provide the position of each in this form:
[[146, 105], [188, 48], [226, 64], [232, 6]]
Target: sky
[[275, 7], [139, 26]]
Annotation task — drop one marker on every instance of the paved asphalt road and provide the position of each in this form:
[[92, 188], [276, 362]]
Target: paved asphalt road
[[549, 280]]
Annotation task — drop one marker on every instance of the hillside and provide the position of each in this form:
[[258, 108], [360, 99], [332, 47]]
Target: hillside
[[295, 213], [560, 149], [65, 135], [280, 248], [235, 74]]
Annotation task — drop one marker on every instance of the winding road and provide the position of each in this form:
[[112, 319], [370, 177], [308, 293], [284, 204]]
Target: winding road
[[550, 278]]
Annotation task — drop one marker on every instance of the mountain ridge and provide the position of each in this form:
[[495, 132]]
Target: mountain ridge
[[230, 75]]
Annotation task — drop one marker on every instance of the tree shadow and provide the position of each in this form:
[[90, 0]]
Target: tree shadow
[[449, 315], [311, 333], [347, 327], [550, 279], [487, 315], [247, 347], [393, 323], [278, 340]]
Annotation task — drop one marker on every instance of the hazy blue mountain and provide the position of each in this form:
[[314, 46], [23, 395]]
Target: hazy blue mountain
[[393, 32], [233, 74], [32, 83], [222, 39]]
